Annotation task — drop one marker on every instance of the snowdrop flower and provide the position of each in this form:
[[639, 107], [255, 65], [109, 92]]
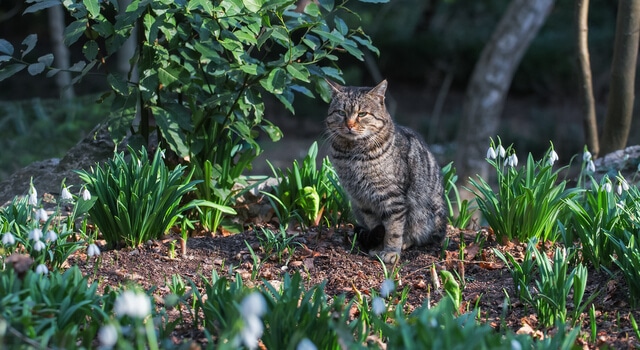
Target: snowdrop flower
[[50, 236], [501, 151], [42, 269], [8, 238], [306, 344], [132, 304], [41, 215], [586, 156], [252, 308], [388, 286], [591, 167], [93, 250], [108, 336], [623, 186], [65, 195], [512, 160], [35, 234], [33, 195], [491, 153], [607, 187], [553, 157], [86, 195], [378, 306], [39, 245]]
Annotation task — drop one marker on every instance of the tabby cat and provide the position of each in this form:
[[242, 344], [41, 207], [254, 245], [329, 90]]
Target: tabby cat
[[393, 180]]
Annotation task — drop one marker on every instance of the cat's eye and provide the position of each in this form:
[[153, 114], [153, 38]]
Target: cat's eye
[[362, 114], [341, 113]]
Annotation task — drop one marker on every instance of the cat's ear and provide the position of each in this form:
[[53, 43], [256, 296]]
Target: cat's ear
[[335, 87], [380, 89]]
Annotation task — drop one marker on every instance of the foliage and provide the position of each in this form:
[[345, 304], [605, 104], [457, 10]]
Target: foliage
[[460, 215], [528, 201], [309, 194], [138, 199], [63, 309], [276, 244], [47, 241], [553, 283], [203, 71]]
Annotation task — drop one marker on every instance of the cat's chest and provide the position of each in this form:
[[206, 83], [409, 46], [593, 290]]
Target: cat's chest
[[363, 178]]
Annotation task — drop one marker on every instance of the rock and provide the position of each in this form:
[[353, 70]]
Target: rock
[[47, 175]]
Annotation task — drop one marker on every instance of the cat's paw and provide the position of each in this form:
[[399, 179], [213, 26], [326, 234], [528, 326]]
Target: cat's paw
[[386, 255]]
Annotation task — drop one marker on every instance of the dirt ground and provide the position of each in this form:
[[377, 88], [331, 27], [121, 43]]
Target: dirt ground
[[330, 256]]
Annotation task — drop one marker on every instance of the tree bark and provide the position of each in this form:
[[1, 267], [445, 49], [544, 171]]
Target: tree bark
[[490, 81], [586, 84], [60, 51], [623, 71]]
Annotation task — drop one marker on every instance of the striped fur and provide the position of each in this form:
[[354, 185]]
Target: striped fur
[[392, 179]]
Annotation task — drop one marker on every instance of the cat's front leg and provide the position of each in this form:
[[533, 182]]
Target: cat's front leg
[[392, 245]]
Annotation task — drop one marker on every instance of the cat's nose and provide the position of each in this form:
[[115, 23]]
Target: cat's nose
[[350, 124]]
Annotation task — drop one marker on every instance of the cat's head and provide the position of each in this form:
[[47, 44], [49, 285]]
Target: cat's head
[[357, 112]]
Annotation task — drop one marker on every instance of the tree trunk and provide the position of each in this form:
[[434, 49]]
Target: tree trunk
[[60, 51], [490, 81], [586, 85], [623, 71]]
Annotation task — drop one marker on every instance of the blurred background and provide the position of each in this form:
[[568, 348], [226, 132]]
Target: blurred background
[[428, 50]]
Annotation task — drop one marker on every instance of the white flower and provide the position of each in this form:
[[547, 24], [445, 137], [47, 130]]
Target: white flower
[[35, 234], [108, 335], [512, 160], [515, 345], [132, 304], [50, 236], [66, 195], [607, 187], [33, 195], [39, 245], [42, 269], [251, 308], [86, 195], [41, 215], [501, 151], [491, 153], [8, 238], [306, 344], [591, 167], [586, 156], [553, 157], [378, 306], [619, 189], [93, 250], [388, 286], [253, 305]]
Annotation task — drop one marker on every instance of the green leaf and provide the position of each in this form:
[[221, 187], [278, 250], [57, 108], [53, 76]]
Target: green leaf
[[118, 84], [90, 50], [30, 42], [341, 26], [36, 68], [253, 5], [74, 30], [53, 72], [41, 5], [5, 58], [171, 131], [10, 70], [375, 1], [327, 4], [275, 81], [47, 59], [298, 71], [172, 74], [6, 47], [312, 9], [93, 6]]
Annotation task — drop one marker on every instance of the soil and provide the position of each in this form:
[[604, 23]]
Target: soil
[[329, 256]]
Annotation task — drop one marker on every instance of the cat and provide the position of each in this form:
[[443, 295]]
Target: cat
[[393, 181]]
